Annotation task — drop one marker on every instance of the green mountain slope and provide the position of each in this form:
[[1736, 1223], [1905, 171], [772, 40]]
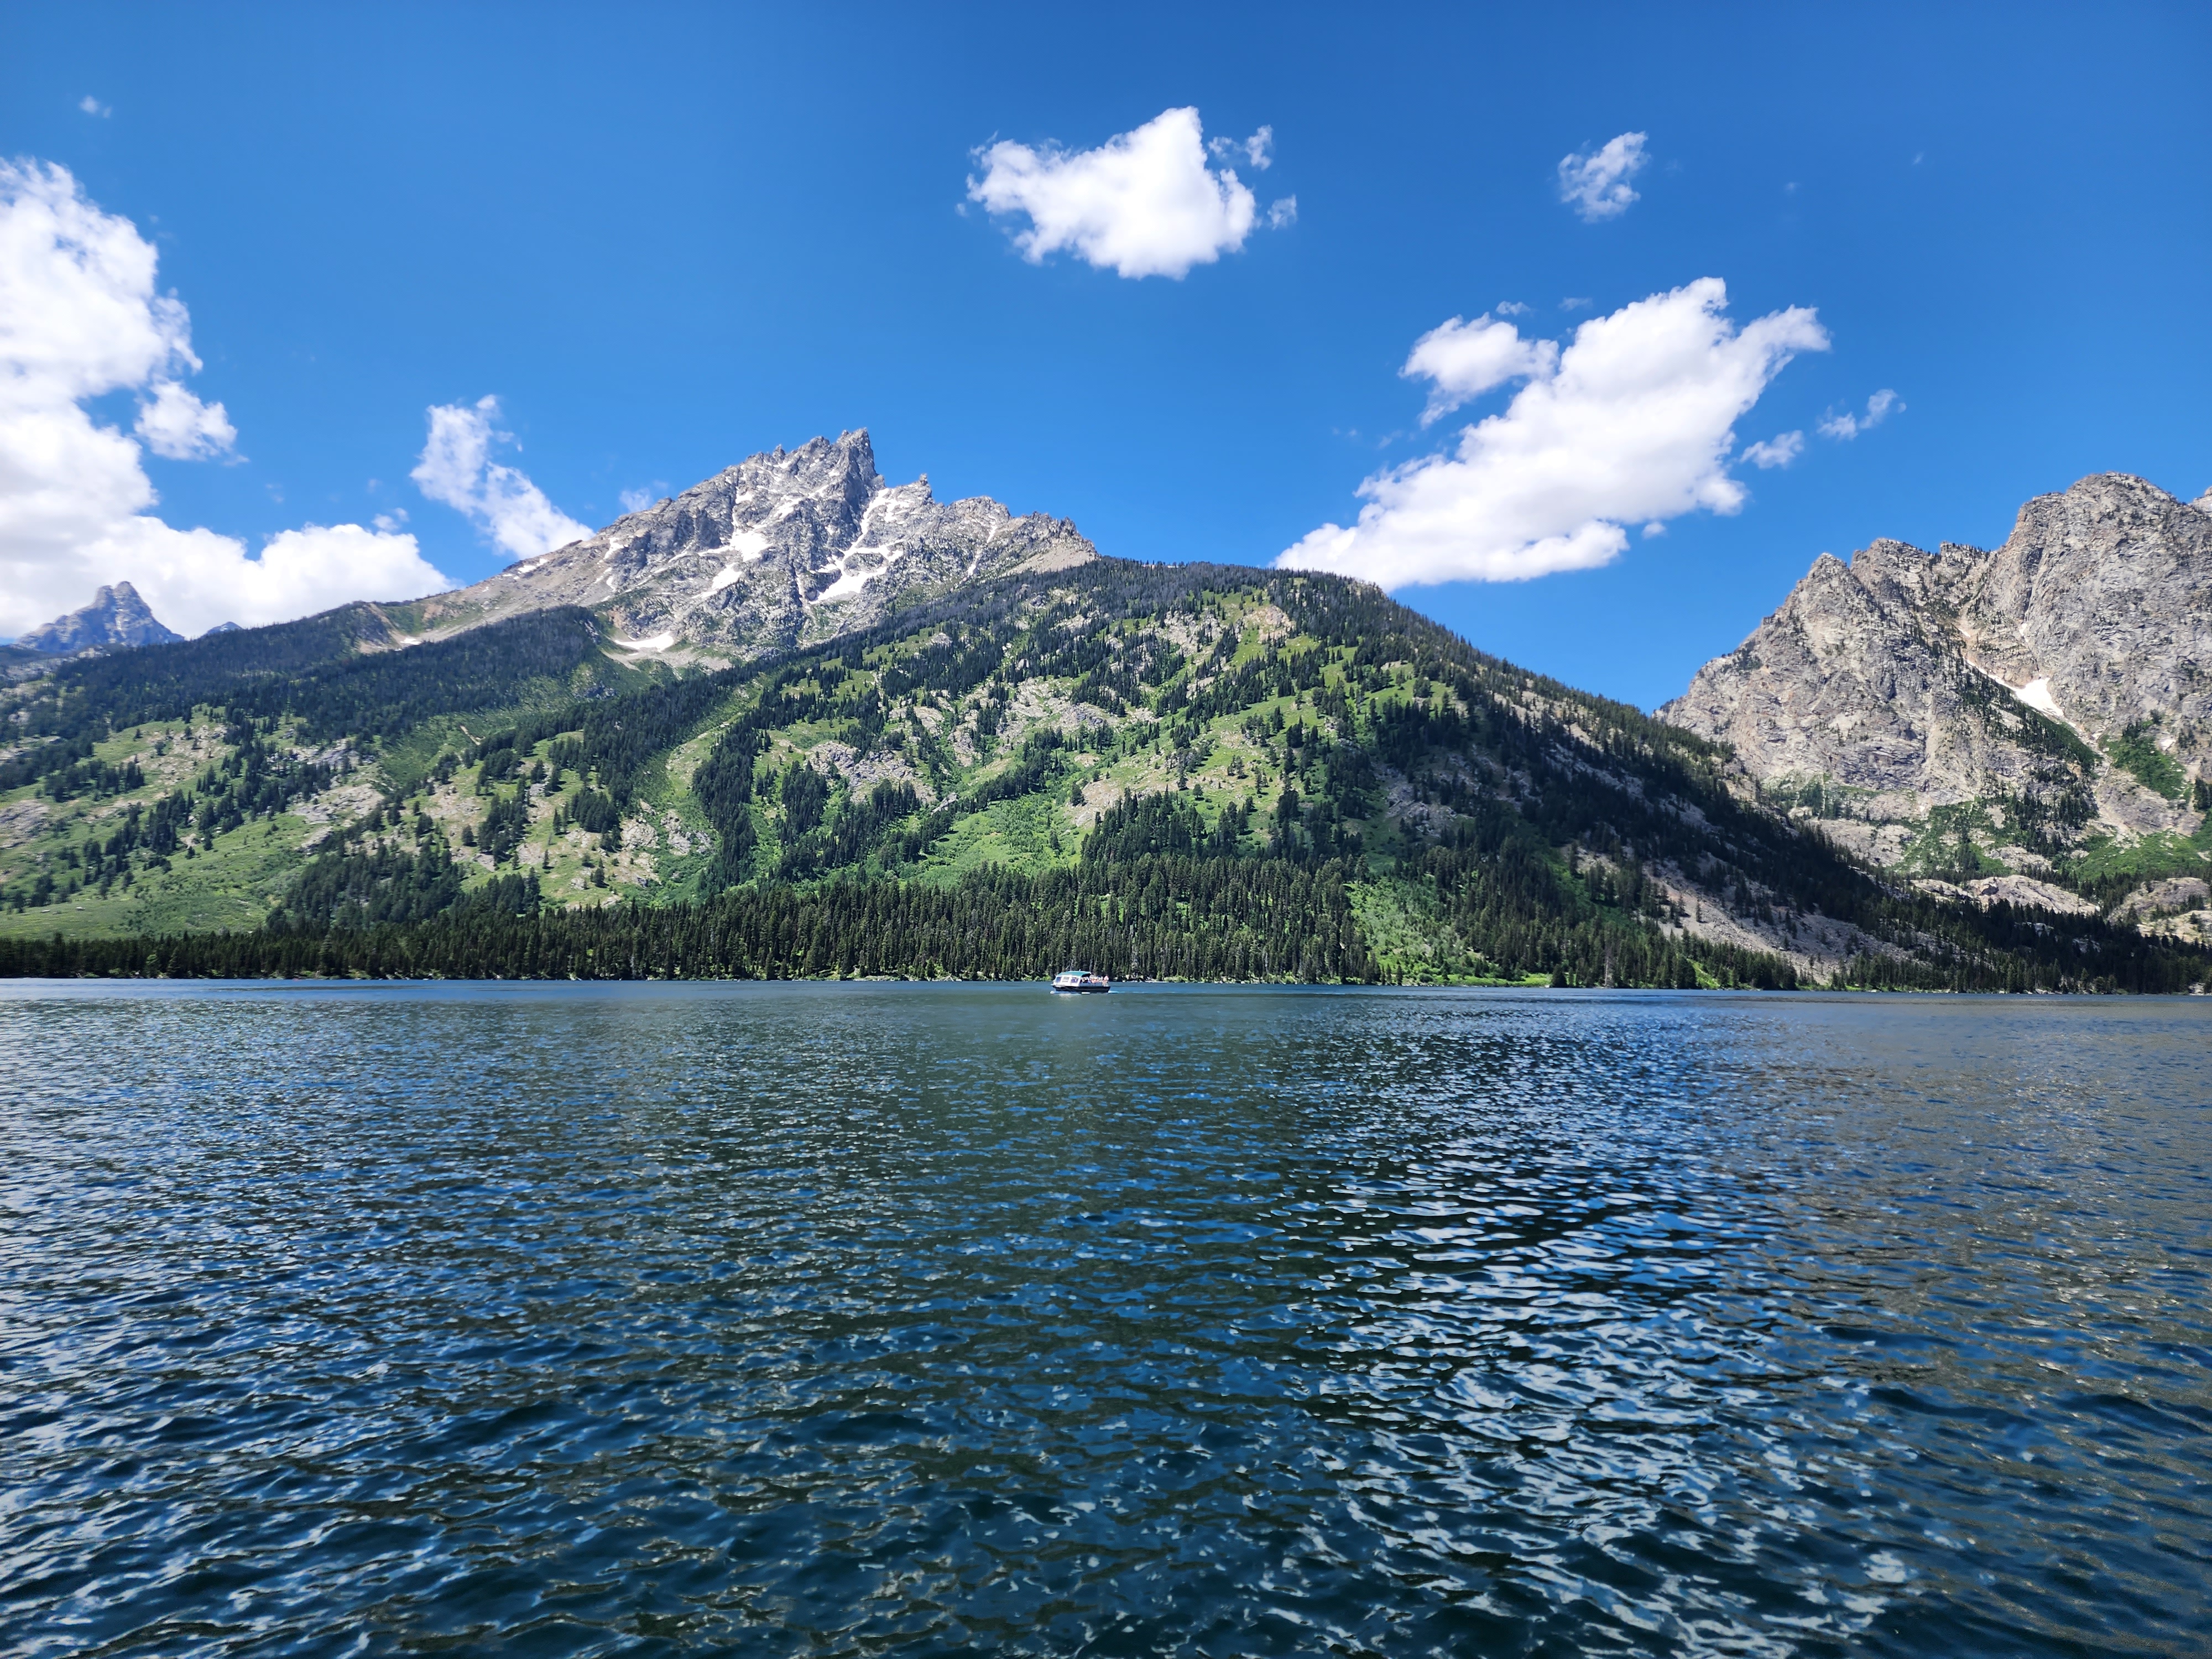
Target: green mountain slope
[[1193, 771]]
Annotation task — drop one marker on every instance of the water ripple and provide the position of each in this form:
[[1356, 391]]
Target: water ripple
[[843, 1319]]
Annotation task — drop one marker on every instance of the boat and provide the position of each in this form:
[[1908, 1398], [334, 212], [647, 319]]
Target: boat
[[1076, 979]]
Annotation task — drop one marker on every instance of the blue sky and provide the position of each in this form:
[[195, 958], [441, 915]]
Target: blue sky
[[666, 237]]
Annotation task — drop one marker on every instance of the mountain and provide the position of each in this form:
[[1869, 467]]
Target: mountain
[[781, 551], [2032, 722], [117, 616], [1000, 753]]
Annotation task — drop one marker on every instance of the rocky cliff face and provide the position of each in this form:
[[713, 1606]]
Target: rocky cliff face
[[781, 551], [117, 616], [2008, 707]]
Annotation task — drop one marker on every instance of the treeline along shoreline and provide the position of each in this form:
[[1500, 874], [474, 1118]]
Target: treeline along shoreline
[[1254, 921]]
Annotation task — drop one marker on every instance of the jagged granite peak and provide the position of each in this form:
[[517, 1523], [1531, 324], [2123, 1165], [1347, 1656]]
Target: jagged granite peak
[[783, 549], [117, 616], [1967, 676], [2102, 597]]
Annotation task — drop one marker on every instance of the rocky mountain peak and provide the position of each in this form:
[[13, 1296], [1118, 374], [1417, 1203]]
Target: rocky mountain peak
[[787, 547], [2023, 686], [116, 617]]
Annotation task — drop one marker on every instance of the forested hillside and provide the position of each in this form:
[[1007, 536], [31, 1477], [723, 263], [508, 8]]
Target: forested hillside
[[1193, 771]]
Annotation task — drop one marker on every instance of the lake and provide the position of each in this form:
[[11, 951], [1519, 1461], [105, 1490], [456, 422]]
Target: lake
[[842, 1318]]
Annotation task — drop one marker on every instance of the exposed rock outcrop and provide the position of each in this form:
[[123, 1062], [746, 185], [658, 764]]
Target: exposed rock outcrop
[[784, 549], [2016, 702], [116, 617]]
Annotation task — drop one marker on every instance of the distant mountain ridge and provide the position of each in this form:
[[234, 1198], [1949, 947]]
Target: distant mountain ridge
[[785, 549], [116, 617], [1993, 716]]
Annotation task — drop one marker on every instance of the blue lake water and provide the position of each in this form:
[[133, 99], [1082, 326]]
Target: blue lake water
[[852, 1319]]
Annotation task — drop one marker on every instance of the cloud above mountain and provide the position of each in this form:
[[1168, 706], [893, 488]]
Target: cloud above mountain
[[1143, 204], [175, 423], [1847, 426], [457, 468], [80, 319], [1632, 423], [1780, 450]]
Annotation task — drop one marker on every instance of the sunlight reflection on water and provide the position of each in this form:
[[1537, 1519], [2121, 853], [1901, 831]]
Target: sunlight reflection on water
[[842, 1318]]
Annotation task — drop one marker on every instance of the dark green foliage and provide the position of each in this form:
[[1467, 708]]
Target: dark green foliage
[[1160, 824], [168, 681], [862, 823], [805, 793], [504, 826], [314, 672], [2010, 949], [594, 812], [92, 778], [381, 886], [1159, 918], [257, 779]]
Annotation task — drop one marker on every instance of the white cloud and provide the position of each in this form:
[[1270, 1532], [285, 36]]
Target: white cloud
[[1632, 422], [177, 424], [1283, 213], [1780, 450], [1596, 185], [1847, 426], [1511, 308], [79, 318], [92, 106], [457, 469], [637, 501], [1259, 149], [1462, 360], [1143, 204]]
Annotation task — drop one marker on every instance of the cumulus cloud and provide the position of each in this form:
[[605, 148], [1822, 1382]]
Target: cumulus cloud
[[1596, 185], [456, 468], [80, 318], [1847, 426], [1143, 204], [1462, 360], [176, 423], [92, 106], [1780, 450], [1632, 422]]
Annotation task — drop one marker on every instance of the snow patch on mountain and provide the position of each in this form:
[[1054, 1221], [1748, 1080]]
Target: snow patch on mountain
[[806, 545]]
